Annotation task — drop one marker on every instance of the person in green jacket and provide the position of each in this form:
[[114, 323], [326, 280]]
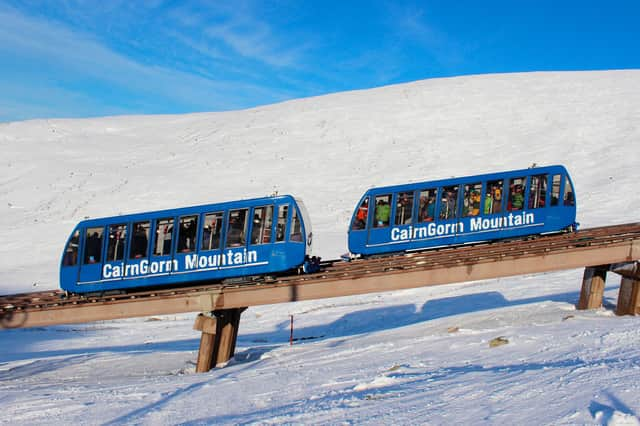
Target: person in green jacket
[[517, 199], [382, 213]]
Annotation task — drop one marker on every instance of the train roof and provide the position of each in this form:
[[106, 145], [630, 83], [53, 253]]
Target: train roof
[[178, 211], [468, 179]]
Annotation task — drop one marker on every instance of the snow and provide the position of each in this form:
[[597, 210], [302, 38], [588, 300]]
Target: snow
[[415, 356]]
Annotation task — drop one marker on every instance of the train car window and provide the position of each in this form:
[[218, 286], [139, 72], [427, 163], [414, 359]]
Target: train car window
[[281, 225], [212, 231], [569, 198], [449, 202], [93, 245], [471, 201], [360, 221], [262, 221], [538, 191], [382, 211], [140, 240], [555, 190], [296, 228], [516, 193], [404, 208], [71, 252], [187, 233], [164, 234], [117, 242], [493, 197], [427, 208], [237, 229]]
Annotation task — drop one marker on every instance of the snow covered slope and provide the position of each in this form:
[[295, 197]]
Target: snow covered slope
[[370, 359]]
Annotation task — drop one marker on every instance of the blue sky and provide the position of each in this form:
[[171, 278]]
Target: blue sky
[[83, 58]]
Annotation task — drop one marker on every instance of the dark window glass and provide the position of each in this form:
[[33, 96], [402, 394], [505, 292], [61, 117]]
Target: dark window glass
[[471, 202], [212, 231], [449, 202], [140, 240], [360, 221], [93, 245], [538, 191], [117, 242], [71, 252], [296, 227], [261, 227], [164, 235], [237, 229], [516, 193], [187, 233], [404, 208], [427, 208], [493, 197], [382, 211], [569, 198], [281, 226], [555, 190]]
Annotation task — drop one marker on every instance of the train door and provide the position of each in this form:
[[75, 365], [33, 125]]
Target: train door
[[92, 248], [139, 244], [261, 235], [185, 258], [114, 267], [471, 210], [161, 260], [212, 237], [448, 225], [403, 217], [380, 230], [359, 226], [493, 209]]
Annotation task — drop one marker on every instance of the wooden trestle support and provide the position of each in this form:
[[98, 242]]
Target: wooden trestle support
[[219, 334], [593, 284]]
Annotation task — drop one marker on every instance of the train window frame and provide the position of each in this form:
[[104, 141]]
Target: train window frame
[[281, 228], [295, 229], [456, 199], [568, 197], [360, 223], [491, 187], [379, 222], [409, 197], [555, 187], [114, 231], [91, 258], [218, 226], [540, 188], [72, 250], [513, 186], [425, 194], [136, 226], [237, 237], [167, 236], [264, 225], [187, 233], [468, 190]]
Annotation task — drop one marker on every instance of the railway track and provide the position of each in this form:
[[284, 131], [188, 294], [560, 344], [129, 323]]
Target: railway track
[[448, 257]]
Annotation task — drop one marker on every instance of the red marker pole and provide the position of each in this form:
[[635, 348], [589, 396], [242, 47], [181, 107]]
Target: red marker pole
[[291, 335]]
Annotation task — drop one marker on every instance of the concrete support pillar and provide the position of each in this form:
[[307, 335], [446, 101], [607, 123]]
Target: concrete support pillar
[[218, 340], [629, 297], [593, 284]]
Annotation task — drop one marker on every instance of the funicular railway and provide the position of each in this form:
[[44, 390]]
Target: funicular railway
[[598, 250]]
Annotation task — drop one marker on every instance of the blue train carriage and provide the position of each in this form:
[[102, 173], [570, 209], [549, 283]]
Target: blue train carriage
[[201, 243], [463, 210]]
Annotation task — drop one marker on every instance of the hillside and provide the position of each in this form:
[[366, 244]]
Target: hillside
[[384, 358]]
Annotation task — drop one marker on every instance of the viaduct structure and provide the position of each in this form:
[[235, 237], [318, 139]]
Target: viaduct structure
[[599, 250]]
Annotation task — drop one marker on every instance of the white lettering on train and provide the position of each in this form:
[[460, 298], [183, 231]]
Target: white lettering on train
[[476, 224], [192, 262]]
